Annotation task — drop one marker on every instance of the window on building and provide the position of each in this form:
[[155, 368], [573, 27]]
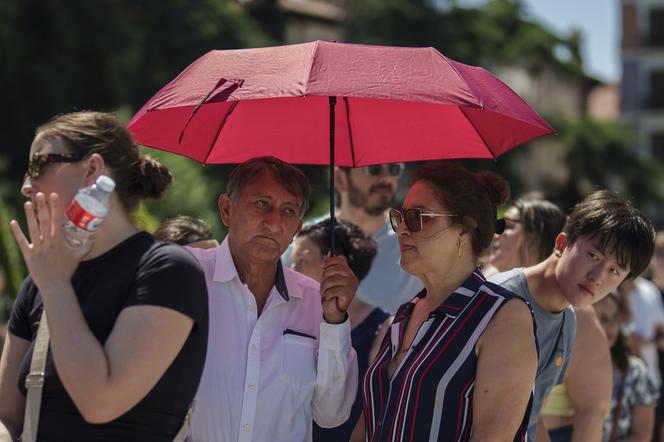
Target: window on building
[[657, 89], [657, 27]]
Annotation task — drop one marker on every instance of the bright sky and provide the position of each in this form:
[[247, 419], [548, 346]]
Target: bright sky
[[599, 22]]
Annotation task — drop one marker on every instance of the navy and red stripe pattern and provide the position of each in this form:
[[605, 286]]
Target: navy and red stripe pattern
[[430, 396]]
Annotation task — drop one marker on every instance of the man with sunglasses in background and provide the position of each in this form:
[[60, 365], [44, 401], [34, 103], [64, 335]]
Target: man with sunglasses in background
[[364, 197]]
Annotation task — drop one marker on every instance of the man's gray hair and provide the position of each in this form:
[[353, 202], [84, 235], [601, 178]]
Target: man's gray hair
[[290, 177]]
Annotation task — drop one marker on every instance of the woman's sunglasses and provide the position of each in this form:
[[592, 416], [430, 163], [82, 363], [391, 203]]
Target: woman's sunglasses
[[394, 169], [40, 160], [412, 217]]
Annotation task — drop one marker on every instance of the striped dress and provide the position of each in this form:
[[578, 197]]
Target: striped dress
[[430, 396]]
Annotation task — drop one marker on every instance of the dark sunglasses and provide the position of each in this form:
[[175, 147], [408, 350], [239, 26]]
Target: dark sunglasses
[[394, 169], [412, 217], [40, 160]]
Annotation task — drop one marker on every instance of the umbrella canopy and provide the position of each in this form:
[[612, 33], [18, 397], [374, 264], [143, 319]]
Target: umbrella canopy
[[392, 104]]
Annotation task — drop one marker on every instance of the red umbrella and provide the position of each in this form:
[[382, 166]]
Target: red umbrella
[[394, 104]]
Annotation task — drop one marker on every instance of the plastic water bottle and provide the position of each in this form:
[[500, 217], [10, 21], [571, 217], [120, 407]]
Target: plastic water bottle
[[87, 211]]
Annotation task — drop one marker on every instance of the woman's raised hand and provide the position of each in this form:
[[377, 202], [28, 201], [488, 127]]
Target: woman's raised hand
[[47, 256]]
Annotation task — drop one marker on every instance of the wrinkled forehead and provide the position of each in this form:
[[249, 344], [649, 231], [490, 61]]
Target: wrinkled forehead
[[267, 185]]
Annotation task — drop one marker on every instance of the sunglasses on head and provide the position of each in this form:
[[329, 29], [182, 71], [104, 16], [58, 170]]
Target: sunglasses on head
[[40, 160], [412, 217], [394, 169]]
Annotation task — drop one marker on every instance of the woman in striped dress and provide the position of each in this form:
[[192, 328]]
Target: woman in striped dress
[[459, 360]]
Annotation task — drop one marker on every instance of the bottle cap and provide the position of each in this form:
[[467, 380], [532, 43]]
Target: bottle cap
[[106, 183]]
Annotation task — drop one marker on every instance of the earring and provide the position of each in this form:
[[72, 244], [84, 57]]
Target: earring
[[558, 253], [459, 243]]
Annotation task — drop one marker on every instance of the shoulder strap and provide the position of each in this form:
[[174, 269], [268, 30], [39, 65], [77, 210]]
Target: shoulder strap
[[34, 382], [180, 437]]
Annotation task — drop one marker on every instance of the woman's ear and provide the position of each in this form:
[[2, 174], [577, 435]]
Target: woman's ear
[[95, 167], [468, 226]]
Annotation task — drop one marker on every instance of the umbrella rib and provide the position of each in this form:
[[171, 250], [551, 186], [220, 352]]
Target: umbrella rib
[[221, 126], [493, 155], [311, 67], [350, 132], [456, 71]]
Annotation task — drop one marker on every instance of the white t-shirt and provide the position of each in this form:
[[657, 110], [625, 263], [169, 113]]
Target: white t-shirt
[[645, 303]]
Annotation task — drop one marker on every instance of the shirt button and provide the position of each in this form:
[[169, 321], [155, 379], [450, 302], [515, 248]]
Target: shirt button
[[251, 386], [250, 308], [245, 427], [253, 347]]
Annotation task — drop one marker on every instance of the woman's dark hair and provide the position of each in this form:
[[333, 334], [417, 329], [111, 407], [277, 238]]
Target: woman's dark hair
[[620, 351], [349, 241], [473, 197], [541, 221], [136, 177], [617, 227], [183, 230]]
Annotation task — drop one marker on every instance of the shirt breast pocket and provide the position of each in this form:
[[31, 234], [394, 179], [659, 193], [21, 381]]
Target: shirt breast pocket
[[298, 360]]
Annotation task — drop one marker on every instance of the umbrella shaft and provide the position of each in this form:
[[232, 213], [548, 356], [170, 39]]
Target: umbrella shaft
[[333, 103]]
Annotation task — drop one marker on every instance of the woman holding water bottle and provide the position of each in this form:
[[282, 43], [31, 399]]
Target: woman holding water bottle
[[127, 315]]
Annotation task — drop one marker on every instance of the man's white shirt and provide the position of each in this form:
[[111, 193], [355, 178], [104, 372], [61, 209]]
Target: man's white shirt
[[267, 377]]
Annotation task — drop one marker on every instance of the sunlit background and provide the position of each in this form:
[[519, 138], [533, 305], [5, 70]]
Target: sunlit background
[[594, 69]]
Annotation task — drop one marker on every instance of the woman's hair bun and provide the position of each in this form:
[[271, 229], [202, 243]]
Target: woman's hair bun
[[153, 178], [496, 188]]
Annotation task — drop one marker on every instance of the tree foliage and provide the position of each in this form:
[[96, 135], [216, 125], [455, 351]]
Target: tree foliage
[[112, 55]]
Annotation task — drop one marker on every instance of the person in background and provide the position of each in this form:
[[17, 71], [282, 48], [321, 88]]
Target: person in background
[[605, 240], [647, 310], [634, 396], [460, 358], [368, 323], [280, 354], [186, 231], [126, 348], [531, 227], [365, 195], [657, 278]]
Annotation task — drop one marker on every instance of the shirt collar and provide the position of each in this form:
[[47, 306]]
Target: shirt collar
[[453, 304], [224, 270]]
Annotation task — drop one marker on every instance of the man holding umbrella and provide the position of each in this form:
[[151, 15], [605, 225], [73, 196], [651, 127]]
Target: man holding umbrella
[[277, 357]]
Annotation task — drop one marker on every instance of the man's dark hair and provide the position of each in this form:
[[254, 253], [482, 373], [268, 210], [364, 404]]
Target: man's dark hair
[[183, 230], [349, 241], [617, 228], [290, 177]]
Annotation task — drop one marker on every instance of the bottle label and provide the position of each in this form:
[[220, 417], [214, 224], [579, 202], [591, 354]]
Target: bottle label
[[81, 218]]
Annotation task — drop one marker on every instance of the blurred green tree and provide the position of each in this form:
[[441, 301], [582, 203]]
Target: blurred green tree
[[60, 56]]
